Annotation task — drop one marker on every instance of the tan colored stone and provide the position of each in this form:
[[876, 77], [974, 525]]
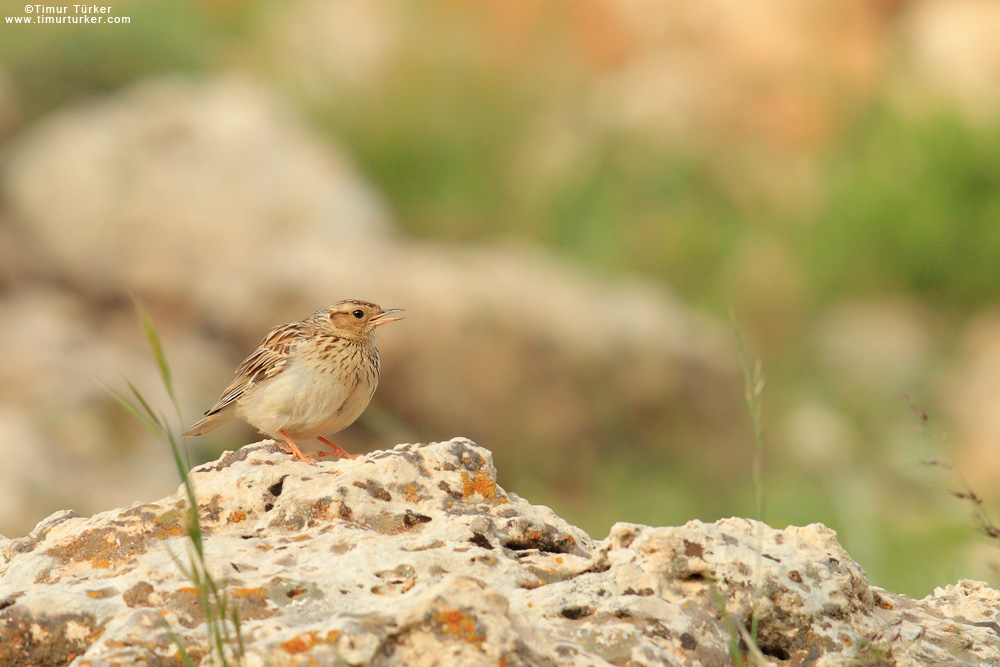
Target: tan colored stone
[[415, 556]]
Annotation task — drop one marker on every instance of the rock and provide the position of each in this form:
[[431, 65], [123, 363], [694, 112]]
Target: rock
[[68, 444], [970, 390], [229, 215], [183, 187], [952, 59], [415, 556], [874, 347], [327, 50]]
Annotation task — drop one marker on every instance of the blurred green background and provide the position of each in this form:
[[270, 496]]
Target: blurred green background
[[829, 172]]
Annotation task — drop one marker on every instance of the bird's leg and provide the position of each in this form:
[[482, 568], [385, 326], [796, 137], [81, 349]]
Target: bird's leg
[[296, 452], [337, 450]]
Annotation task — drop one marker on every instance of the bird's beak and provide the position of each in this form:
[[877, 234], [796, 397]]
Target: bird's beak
[[382, 317]]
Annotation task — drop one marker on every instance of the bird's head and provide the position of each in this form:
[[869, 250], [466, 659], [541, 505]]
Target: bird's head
[[359, 319]]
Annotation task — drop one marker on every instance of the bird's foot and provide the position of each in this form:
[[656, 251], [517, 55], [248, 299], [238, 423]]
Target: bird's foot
[[296, 452], [337, 450]]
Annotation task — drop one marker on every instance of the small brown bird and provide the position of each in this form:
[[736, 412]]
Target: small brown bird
[[307, 379]]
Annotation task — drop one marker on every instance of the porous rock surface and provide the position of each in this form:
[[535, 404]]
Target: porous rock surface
[[415, 556]]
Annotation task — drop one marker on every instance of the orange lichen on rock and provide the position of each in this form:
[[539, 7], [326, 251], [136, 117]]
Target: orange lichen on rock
[[411, 492], [481, 484], [307, 640], [101, 594], [300, 643], [459, 624], [167, 525]]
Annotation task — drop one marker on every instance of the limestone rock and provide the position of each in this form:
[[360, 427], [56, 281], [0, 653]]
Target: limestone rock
[[65, 437], [327, 49], [952, 58], [175, 185], [415, 556]]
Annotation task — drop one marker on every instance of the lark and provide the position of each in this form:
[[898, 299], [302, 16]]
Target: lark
[[307, 379]]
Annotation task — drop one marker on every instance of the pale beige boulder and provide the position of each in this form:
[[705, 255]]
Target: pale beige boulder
[[415, 556]]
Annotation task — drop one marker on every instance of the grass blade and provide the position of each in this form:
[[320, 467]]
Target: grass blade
[[156, 346], [753, 380], [133, 409], [222, 623]]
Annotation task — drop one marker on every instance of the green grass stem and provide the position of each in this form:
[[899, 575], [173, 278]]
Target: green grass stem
[[221, 617]]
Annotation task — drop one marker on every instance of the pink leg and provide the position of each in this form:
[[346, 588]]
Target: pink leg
[[296, 452], [337, 450]]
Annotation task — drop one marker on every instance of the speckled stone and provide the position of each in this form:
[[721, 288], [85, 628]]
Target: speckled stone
[[415, 556]]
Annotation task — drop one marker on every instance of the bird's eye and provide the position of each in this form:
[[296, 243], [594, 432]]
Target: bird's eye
[[358, 313]]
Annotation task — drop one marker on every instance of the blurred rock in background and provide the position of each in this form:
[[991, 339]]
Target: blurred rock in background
[[213, 203], [567, 198]]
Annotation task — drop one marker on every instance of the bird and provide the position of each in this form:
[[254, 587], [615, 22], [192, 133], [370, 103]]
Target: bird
[[307, 379]]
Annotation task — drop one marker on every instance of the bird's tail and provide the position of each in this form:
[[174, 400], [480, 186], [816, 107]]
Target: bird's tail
[[209, 423]]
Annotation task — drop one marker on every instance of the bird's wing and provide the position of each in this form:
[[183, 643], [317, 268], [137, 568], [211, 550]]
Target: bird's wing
[[270, 357]]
